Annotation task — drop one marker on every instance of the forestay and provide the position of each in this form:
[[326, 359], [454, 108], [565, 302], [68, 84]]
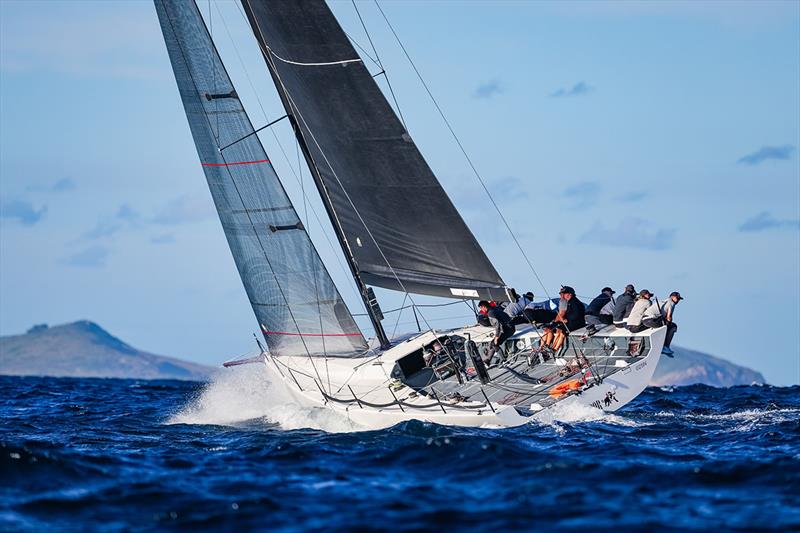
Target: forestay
[[294, 299], [402, 230]]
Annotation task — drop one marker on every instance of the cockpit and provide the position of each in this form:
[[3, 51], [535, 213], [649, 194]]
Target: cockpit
[[436, 360]]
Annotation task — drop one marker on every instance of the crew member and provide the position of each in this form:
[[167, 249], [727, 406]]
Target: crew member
[[571, 316], [624, 306], [515, 308], [667, 310], [601, 309], [503, 328], [644, 314]]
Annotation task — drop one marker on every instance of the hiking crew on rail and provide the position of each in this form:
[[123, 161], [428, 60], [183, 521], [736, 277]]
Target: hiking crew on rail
[[635, 312]]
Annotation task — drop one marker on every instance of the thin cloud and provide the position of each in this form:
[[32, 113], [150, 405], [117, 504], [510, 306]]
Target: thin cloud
[[166, 238], [764, 221], [65, 41], [582, 194], [127, 213], [630, 233], [767, 152], [125, 217], [182, 210], [632, 197], [62, 185], [489, 89], [103, 229], [22, 210], [92, 257], [579, 89], [509, 188]]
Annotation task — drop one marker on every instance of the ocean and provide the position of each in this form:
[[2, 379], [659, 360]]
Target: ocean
[[234, 454]]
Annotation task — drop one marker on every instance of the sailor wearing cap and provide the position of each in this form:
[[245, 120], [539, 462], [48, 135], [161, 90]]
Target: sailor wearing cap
[[571, 316], [601, 309], [642, 317], [667, 309], [624, 305]]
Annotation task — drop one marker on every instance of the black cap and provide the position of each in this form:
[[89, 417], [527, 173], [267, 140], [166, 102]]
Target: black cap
[[609, 289], [529, 295], [630, 288], [645, 291], [484, 303], [566, 289], [676, 293]]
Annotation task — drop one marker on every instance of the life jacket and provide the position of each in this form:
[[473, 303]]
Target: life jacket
[[563, 388]]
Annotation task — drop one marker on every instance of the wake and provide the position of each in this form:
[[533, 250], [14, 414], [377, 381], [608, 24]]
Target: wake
[[245, 393]]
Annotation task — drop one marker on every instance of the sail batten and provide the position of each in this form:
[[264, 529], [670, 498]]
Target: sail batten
[[296, 303], [401, 230]]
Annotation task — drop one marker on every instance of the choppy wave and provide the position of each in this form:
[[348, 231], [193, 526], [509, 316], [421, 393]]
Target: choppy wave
[[238, 453]]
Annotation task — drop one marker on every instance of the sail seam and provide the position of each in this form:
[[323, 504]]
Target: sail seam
[[266, 332], [232, 163]]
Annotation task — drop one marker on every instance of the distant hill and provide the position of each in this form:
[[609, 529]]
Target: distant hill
[[689, 367], [84, 349]]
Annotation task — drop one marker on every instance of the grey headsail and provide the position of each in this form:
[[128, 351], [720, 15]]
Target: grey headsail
[[378, 185], [294, 299]]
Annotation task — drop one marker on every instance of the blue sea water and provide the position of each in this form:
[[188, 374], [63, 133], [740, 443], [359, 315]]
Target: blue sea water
[[109, 455]]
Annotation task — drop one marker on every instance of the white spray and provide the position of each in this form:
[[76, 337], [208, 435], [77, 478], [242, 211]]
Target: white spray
[[245, 393]]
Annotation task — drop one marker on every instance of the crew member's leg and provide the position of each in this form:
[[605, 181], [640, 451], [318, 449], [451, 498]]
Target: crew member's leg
[[558, 341], [672, 327], [592, 320]]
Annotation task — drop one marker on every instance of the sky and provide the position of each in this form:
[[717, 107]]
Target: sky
[[653, 143]]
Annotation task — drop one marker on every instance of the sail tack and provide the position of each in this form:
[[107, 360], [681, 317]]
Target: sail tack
[[296, 303], [401, 228]]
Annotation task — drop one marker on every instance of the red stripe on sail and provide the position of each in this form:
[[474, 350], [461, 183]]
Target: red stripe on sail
[[235, 163], [266, 331]]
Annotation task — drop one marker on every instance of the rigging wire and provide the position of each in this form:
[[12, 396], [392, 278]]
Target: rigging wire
[[400, 314], [267, 52], [460, 146], [380, 63], [363, 50], [233, 181], [282, 149], [463, 150]]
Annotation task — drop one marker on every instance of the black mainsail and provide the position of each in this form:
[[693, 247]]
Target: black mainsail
[[398, 226], [294, 299]]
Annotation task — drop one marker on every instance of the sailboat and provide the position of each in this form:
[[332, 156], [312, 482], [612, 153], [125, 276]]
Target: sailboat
[[397, 229]]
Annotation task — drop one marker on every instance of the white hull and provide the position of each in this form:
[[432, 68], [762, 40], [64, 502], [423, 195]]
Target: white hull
[[368, 379]]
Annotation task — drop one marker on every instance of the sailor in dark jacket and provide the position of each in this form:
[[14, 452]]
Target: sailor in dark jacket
[[624, 305], [601, 309], [571, 317], [503, 328]]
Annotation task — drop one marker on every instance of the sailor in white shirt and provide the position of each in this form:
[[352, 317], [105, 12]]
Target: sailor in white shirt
[[644, 313]]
